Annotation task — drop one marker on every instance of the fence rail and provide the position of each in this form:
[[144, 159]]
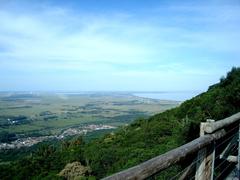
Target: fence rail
[[213, 126], [210, 133]]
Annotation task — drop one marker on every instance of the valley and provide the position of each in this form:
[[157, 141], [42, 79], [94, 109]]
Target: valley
[[28, 118]]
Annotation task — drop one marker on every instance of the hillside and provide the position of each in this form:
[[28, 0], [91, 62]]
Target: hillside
[[135, 143], [146, 138]]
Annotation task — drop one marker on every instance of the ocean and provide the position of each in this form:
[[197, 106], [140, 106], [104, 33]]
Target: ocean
[[176, 96]]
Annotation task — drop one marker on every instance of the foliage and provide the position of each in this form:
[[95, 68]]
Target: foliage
[[46, 161], [75, 171]]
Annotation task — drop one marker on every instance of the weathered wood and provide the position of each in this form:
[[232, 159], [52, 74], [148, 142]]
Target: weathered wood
[[210, 158], [205, 158], [211, 127], [166, 160], [213, 159], [201, 158], [200, 167]]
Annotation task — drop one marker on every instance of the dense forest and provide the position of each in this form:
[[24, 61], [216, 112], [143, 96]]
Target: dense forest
[[130, 145]]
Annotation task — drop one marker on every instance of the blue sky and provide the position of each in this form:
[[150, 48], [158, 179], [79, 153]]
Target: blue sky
[[115, 45]]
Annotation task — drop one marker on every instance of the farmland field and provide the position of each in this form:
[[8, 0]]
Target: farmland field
[[46, 114]]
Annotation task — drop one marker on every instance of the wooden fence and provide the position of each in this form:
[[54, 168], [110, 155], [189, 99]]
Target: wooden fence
[[205, 147]]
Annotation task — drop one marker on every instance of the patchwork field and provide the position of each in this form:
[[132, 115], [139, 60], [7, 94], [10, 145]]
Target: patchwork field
[[44, 114]]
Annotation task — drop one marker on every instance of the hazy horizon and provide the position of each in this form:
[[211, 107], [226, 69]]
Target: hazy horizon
[[117, 46], [157, 95], [96, 91]]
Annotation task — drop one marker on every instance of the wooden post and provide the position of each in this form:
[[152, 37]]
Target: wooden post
[[205, 159], [212, 154], [213, 159], [201, 158]]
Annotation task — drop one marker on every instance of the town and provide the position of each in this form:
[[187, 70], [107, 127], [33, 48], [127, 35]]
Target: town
[[29, 141]]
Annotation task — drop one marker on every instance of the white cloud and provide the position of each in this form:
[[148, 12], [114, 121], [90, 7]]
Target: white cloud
[[33, 37], [121, 45]]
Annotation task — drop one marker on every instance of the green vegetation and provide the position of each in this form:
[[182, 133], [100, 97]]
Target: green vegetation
[[135, 143], [45, 160]]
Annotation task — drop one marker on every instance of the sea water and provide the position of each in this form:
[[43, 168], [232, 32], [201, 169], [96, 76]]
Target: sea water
[[176, 96]]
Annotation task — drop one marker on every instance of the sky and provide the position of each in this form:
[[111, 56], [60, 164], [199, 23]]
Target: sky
[[110, 45]]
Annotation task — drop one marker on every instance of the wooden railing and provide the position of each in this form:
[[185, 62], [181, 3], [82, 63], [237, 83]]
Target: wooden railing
[[204, 146]]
